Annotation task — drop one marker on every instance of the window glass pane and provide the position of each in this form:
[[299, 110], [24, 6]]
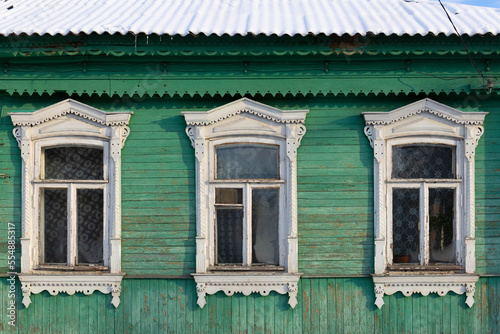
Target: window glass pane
[[73, 163], [229, 235], [405, 225], [228, 196], [247, 161], [54, 206], [422, 161], [90, 225], [265, 234], [441, 231]]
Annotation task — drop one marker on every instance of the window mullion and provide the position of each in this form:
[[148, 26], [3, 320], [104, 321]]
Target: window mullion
[[247, 225], [424, 229], [72, 221]]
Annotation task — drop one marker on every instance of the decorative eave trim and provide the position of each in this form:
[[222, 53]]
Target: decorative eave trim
[[201, 45], [244, 105], [70, 284], [425, 105], [66, 107]]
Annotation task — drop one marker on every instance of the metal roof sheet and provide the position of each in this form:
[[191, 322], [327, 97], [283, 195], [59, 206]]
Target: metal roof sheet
[[244, 17]]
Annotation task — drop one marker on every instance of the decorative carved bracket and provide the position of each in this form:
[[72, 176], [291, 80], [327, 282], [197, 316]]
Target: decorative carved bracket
[[293, 143], [246, 284], [197, 143], [70, 284], [440, 284], [473, 135]]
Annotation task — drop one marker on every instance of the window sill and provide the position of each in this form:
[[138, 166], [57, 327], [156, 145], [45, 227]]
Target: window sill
[[52, 268], [58, 282], [424, 283], [239, 269], [413, 268], [246, 283]]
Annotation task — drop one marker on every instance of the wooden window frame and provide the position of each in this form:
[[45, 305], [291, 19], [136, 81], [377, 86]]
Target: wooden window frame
[[71, 186], [247, 185], [70, 123], [423, 185], [245, 121], [425, 122]]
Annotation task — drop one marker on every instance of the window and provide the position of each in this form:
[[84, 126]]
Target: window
[[424, 199], [71, 221], [247, 210], [423, 215], [246, 198], [71, 207]]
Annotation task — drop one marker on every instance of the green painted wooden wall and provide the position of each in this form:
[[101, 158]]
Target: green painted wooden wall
[[335, 183], [335, 200], [326, 305]]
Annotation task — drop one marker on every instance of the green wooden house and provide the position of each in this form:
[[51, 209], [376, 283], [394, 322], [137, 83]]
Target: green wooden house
[[321, 166]]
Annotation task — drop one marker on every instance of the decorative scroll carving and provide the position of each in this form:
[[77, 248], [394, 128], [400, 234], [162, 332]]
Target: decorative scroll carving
[[369, 134], [71, 286], [246, 286], [379, 294], [438, 113], [191, 133], [17, 132], [197, 143], [293, 143], [474, 133], [51, 116], [124, 134], [248, 111], [424, 285], [201, 289], [470, 289]]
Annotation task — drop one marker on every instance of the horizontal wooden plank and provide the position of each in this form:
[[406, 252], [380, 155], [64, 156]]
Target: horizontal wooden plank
[[158, 250], [189, 232], [155, 219], [157, 242]]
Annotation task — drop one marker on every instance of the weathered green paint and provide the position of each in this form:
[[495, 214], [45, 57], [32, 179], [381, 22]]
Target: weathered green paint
[[252, 46], [160, 79], [149, 66], [335, 183], [102, 77], [326, 305]]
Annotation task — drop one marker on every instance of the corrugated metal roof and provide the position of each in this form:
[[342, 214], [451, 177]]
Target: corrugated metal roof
[[243, 17]]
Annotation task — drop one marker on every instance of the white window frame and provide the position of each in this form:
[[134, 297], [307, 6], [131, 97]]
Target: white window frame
[[245, 121], [247, 186], [71, 186], [425, 122], [70, 123], [423, 185]]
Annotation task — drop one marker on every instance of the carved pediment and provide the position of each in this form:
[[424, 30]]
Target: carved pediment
[[70, 125], [244, 106], [70, 107], [424, 124], [423, 107], [245, 123]]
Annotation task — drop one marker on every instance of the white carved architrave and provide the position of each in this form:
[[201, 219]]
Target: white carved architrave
[[245, 120], [425, 121], [67, 123]]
